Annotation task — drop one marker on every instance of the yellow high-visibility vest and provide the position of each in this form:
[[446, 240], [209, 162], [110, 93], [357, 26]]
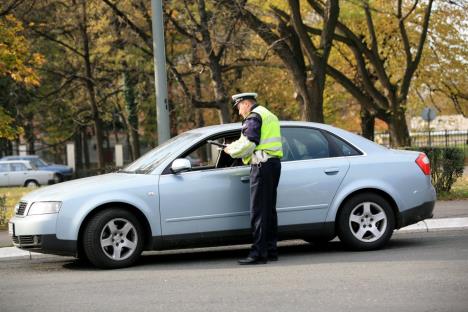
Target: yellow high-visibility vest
[[270, 135]]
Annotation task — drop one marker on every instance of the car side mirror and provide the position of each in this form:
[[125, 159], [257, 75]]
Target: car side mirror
[[181, 164]]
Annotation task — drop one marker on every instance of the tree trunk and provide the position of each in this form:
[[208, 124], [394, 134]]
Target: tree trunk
[[367, 124], [220, 92], [399, 134], [129, 91], [84, 136], [78, 149], [29, 134], [91, 88], [314, 107]]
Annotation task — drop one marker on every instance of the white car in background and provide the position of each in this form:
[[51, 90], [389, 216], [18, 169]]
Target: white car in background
[[23, 173]]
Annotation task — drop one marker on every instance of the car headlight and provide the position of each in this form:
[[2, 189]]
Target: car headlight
[[38, 208]]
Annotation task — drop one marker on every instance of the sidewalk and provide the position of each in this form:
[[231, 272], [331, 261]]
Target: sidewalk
[[448, 215]]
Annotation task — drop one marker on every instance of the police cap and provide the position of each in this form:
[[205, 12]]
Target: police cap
[[237, 98]]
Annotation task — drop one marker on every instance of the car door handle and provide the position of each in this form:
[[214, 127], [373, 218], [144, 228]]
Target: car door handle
[[245, 179], [332, 171]]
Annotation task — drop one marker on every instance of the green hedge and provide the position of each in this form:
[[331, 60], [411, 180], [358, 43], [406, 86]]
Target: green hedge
[[447, 164]]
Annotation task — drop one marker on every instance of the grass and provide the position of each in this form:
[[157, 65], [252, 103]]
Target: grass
[[13, 195], [459, 190]]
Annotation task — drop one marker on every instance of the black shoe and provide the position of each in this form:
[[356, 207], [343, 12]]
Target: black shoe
[[252, 260], [272, 257]]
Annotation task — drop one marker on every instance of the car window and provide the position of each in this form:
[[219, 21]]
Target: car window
[[38, 162], [4, 168], [344, 149], [204, 156], [18, 167], [304, 143]]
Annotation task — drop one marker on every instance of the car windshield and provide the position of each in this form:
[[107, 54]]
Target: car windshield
[[149, 161], [38, 162]]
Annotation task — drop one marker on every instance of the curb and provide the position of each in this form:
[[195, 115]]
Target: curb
[[429, 225], [434, 225]]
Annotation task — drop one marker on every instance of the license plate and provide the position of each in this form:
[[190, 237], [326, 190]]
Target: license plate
[[11, 229]]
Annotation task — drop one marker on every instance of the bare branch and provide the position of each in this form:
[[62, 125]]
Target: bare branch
[[370, 26], [404, 35], [10, 7], [412, 66], [181, 29], [66, 45], [307, 44], [140, 32]]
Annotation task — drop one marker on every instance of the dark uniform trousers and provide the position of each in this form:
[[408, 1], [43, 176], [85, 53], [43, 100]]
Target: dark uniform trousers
[[264, 179]]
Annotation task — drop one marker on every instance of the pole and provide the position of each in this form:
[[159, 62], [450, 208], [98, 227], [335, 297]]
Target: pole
[[160, 76]]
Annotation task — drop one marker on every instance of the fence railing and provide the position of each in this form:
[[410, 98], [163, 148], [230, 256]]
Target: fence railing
[[446, 138]]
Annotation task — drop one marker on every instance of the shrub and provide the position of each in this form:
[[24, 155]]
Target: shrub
[[3, 210], [447, 164]]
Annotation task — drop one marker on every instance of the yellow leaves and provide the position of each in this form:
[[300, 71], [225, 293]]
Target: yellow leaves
[[7, 129], [16, 61]]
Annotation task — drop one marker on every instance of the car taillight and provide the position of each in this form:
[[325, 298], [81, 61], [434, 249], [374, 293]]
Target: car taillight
[[423, 162]]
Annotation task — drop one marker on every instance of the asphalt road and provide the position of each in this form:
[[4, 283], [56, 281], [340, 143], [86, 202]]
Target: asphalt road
[[416, 272]]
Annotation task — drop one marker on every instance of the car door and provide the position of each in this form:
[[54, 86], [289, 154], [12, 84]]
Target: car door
[[311, 173], [4, 174], [19, 174], [205, 199]]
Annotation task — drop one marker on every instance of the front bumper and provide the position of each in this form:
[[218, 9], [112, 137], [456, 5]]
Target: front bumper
[[37, 233], [416, 214], [48, 244]]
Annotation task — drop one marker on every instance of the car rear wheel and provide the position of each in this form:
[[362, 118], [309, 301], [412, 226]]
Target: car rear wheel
[[113, 239], [366, 222], [31, 184]]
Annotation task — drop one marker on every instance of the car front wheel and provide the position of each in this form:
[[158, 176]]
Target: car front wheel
[[31, 184], [113, 239], [366, 222]]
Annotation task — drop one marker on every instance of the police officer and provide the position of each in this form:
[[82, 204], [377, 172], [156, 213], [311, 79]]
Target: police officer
[[260, 146]]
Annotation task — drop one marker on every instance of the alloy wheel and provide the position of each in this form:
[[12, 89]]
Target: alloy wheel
[[119, 239], [368, 221]]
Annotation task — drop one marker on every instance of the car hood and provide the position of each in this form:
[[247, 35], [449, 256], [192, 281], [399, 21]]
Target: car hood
[[56, 167], [84, 187]]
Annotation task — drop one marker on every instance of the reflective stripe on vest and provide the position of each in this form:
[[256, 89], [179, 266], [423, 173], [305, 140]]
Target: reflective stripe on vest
[[270, 135]]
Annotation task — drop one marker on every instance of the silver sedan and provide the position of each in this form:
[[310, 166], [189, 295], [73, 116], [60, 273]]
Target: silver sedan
[[23, 173], [188, 193]]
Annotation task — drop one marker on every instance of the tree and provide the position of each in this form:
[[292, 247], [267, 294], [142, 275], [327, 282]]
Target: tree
[[383, 85], [441, 78], [287, 37], [17, 66]]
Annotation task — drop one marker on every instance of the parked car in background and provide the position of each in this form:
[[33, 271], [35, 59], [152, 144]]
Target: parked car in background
[[189, 193], [61, 172], [23, 173]]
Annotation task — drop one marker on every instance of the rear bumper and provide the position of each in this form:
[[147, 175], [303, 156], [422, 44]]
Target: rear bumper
[[416, 214]]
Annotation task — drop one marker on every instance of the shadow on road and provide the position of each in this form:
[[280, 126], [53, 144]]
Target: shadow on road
[[294, 252]]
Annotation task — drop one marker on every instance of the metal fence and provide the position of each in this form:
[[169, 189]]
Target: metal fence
[[446, 138]]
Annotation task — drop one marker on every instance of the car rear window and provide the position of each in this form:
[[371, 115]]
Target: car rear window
[[301, 143]]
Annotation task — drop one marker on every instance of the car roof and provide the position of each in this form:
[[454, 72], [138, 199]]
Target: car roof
[[18, 157], [26, 162]]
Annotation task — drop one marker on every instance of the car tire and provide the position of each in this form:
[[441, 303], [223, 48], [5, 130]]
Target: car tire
[[365, 222], [31, 184], [58, 178], [112, 239]]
